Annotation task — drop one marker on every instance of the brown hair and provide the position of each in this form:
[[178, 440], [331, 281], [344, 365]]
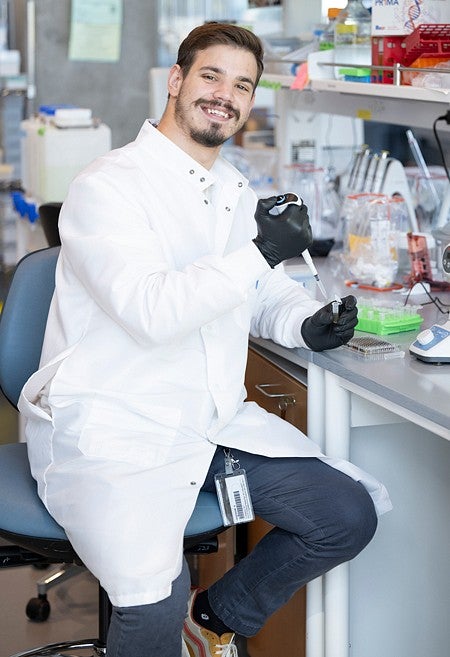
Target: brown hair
[[213, 34]]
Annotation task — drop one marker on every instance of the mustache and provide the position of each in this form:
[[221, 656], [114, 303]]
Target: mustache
[[219, 104]]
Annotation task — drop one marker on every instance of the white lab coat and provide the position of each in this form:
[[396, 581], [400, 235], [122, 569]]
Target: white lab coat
[[158, 285]]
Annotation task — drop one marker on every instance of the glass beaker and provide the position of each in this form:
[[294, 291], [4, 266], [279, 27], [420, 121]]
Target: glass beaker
[[312, 185], [371, 244], [427, 194], [305, 180], [400, 225], [354, 219]]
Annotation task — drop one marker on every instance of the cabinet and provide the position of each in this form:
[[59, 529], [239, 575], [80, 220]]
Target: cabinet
[[208, 568], [276, 391]]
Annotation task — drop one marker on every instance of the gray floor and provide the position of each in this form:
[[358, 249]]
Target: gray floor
[[73, 610]]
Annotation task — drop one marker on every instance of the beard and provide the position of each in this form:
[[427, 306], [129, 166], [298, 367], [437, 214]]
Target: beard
[[211, 137]]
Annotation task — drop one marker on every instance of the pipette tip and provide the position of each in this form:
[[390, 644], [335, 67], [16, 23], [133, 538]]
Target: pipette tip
[[321, 287]]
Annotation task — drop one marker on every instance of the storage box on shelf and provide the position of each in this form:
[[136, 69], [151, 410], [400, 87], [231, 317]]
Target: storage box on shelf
[[386, 51], [431, 41]]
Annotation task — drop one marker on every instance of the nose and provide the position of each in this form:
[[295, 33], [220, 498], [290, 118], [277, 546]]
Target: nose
[[223, 90]]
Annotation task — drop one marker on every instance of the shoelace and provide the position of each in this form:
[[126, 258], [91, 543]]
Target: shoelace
[[230, 650]]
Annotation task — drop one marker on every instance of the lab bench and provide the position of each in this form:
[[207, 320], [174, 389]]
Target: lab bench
[[389, 417]]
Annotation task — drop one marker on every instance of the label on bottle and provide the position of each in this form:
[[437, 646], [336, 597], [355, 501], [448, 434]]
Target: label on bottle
[[342, 28]]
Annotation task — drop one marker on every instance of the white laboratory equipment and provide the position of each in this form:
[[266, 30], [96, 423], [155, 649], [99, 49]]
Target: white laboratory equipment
[[433, 344], [56, 147]]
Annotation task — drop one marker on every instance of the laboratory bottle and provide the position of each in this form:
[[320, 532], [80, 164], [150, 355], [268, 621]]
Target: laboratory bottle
[[326, 40], [352, 38]]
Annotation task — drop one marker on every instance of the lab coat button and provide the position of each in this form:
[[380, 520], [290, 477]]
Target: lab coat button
[[240, 184], [205, 201], [228, 209], [202, 179], [193, 483], [191, 171]]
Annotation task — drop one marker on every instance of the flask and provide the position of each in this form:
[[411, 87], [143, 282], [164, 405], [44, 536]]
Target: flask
[[352, 39], [326, 40]]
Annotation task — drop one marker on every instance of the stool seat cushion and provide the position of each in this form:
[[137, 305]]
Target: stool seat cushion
[[22, 512]]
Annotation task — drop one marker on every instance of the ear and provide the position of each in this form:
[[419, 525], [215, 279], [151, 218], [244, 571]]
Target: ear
[[174, 80]]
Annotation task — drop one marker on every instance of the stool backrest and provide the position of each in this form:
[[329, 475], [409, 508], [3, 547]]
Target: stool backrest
[[49, 218], [24, 318]]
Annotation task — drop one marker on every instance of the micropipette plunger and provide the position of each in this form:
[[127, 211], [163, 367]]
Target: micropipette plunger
[[292, 199]]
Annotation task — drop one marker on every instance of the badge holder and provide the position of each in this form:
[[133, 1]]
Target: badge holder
[[233, 493]]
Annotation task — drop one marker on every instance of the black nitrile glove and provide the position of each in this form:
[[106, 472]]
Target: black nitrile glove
[[282, 236], [319, 332]]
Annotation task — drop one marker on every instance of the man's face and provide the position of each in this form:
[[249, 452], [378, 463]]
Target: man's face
[[216, 96]]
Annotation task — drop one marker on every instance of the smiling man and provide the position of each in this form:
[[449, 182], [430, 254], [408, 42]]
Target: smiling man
[[211, 94], [168, 262]]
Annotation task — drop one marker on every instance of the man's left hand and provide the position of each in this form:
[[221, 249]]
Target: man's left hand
[[319, 332]]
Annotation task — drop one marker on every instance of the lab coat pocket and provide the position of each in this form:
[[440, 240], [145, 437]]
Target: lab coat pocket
[[117, 433], [39, 426], [29, 400]]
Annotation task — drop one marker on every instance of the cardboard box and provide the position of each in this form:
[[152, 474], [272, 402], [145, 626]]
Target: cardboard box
[[401, 17]]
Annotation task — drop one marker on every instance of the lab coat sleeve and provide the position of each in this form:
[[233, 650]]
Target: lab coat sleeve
[[282, 306], [110, 246]]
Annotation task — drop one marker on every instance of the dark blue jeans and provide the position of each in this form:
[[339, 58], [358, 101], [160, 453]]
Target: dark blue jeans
[[322, 518]]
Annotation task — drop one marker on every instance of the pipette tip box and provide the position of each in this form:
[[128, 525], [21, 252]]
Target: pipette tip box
[[384, 320]]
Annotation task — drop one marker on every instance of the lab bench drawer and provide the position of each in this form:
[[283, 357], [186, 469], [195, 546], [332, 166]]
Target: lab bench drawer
[[275, 390]]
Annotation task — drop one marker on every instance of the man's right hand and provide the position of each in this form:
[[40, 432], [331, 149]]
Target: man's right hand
[[282, 236]]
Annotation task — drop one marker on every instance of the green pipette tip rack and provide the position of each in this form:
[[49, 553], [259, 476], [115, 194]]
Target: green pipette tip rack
[[384, 320]]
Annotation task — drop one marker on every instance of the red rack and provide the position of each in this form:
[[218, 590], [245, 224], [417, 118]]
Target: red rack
[[386, 51], [428, 40]]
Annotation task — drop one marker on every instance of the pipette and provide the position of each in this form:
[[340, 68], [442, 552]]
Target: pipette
[[292, 199], [422, 165], [307, 258]]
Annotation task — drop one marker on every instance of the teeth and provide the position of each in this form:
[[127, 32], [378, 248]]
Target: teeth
[[218, 113]]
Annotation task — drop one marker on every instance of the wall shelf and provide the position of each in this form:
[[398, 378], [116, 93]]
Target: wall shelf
[[400, 105]]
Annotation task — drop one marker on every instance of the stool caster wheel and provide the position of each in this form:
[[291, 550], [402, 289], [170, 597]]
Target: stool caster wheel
[[38, 609]]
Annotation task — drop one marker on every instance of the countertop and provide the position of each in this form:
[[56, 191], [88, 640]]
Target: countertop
[[419, 388]]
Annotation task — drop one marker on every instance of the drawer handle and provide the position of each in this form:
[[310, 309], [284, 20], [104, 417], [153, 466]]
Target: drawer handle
[[286, 398], [262, 387]]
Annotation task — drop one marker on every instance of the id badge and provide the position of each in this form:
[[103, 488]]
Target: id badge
[[233, 494]]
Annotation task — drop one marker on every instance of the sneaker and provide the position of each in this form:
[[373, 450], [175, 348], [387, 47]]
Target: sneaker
[[204, 643]]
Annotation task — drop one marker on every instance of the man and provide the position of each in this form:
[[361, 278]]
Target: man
[[163, 272]]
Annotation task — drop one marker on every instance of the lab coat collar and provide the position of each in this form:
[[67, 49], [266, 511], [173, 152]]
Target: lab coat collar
[[178, 160]]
